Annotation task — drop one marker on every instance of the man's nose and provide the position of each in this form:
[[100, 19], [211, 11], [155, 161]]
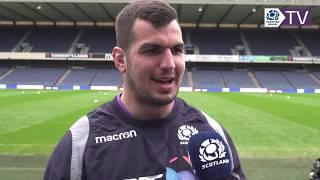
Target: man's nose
[[168, 60]]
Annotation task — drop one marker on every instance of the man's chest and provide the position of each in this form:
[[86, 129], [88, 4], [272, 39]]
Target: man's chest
[[156, 153]]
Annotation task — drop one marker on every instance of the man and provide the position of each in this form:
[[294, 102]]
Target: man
[[144, 131], [315, 170]]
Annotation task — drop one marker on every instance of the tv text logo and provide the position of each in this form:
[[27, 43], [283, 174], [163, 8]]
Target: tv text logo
[[275, 17]]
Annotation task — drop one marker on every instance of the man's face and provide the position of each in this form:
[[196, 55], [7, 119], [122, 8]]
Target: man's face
[[155, 63]]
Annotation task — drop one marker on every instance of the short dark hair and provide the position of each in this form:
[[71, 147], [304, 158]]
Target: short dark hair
[[158, 12]]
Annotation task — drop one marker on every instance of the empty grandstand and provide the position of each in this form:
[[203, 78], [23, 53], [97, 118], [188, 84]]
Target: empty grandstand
[[228, 48]]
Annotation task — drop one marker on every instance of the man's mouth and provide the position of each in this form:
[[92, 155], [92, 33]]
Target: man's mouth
[[163, 80]]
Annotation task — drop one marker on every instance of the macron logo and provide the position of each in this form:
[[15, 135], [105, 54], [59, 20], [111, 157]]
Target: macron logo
[[116, 137]]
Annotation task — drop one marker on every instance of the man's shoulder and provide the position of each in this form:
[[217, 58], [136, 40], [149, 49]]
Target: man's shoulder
[[103, 115], [103, 110], [184, 105], [190, 112]]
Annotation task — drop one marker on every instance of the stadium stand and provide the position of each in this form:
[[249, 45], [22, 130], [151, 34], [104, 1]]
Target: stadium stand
[[270, 42], [33, 76], [204, 41], [317, 74], [51, 39], [79, 76], [185, 80], [98, 40], [311, 39], [107, 77], [67, 75], [10, 37], [215, 41], [301, 79], [3, 70], [207, 79], [272, 80], [200, 41], [237, 79]]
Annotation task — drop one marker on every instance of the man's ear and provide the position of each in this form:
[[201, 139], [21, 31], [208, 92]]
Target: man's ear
[[119, 59]]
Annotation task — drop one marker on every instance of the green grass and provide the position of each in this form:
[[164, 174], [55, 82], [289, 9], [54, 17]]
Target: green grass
[[277, 135], [263, 125], [32, 123]]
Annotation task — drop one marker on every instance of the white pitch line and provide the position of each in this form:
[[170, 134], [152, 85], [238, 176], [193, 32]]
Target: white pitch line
[[21, 169], [44, 145]]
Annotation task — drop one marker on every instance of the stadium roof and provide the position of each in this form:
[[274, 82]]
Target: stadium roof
[[192, 13]]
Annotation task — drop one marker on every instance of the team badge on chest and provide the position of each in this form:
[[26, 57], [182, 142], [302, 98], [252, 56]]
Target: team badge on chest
[[185, 132]]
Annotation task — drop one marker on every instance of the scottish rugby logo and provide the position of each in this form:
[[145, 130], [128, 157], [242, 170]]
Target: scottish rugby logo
[[185, 132], [273, 17], [212, 152], [211, 149]]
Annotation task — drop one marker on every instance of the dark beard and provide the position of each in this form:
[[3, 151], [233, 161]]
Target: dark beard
[[146, 97]]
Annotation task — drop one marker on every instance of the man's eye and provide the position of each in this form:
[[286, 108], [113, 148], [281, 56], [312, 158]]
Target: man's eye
[[152, 51], [177, 50]]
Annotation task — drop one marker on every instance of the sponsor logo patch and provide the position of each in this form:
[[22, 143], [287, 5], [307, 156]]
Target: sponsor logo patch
[[116, 137]]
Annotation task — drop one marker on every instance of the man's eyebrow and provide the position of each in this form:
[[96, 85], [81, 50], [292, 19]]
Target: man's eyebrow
[[150, 45], [156, 45]]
